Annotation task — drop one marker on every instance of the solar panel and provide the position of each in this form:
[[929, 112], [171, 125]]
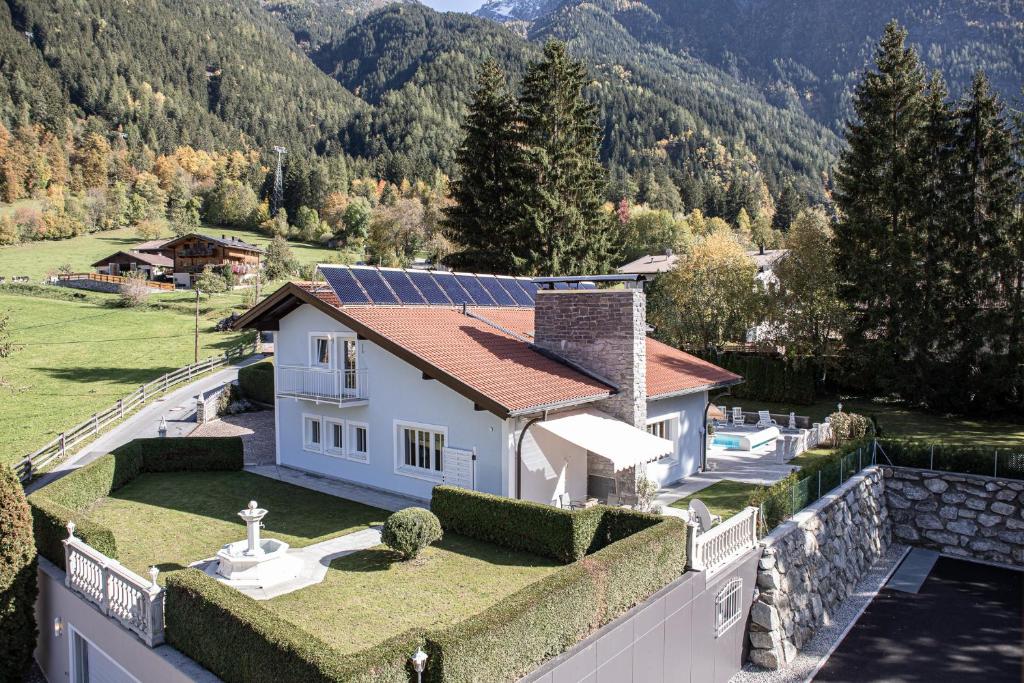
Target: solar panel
[[374, 285], [453, 289], [515, 288], [402, 286], [497, 292], [475, 290], [344, 285], [428, 287]]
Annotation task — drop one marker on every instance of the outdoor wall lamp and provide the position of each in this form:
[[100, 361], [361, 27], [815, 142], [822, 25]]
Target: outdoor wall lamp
[[162, 429], [419, 663], [58, 627]]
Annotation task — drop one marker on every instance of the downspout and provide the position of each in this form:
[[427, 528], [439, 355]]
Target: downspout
[[704, 429], [519, 453]]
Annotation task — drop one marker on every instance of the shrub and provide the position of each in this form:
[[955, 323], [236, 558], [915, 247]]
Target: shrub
[[769, 377], [409, 531], [134, 291], [257, 381], [18, 588], [65, 499], [240, 641], [849, 427]]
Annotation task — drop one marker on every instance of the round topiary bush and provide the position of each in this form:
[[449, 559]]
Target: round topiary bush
[[17, 580], [409, 531]]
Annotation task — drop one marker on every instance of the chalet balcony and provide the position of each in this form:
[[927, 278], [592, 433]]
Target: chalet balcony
[[322, 385]]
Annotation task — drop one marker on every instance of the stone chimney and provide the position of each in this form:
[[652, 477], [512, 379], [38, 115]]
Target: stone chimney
[[604, 331]]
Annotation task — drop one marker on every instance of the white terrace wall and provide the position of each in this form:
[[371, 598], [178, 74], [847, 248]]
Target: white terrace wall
[[812, 562], [963, 515]]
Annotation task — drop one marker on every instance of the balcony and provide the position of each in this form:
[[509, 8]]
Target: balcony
[[322, 385]]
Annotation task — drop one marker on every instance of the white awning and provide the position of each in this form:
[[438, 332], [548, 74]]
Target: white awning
[[623, 444]]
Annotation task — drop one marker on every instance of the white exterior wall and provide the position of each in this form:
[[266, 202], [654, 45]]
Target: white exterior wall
[[397, 391], [551, 467], [688, 413]]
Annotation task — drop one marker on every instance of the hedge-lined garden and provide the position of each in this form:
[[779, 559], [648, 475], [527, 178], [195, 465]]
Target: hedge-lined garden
[[1007, 463], [631, 556], [67, 498], [769, 377], [256, 382]]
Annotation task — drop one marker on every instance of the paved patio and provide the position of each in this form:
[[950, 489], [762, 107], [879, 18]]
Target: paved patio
[[256, 430]]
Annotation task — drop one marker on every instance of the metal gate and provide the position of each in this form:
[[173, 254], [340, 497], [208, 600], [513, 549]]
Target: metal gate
[[460, 467]]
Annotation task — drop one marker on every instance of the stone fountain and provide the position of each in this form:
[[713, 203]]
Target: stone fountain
[[256, 562]]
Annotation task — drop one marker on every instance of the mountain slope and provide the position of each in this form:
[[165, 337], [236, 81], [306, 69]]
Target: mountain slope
[[170, 72], [516, 10]]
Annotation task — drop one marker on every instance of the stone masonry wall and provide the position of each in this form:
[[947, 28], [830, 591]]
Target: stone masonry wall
[[812, 562], [91, 285], [963, 515]]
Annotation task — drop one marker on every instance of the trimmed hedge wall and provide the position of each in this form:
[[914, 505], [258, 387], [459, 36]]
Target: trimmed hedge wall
[[1006, 463], [65, 499], [257, 381], [241, 642], [513, 637], [562, 535], [769, 377]]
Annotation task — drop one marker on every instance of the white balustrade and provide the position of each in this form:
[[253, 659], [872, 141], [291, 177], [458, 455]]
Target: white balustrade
[[322, 384], [119, 593], [714, 549]]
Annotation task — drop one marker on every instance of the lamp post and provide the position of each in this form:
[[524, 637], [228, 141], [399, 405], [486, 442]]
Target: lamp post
[[419, 663]]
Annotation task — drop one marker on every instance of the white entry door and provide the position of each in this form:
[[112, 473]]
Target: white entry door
[[460, 468], [89, 664]]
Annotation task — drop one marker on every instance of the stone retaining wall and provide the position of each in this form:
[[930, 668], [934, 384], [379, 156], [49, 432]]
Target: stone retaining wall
[[91, 285], [964, 515], [812, 562]]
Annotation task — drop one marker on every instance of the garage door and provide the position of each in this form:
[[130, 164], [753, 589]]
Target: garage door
[[92, 665]]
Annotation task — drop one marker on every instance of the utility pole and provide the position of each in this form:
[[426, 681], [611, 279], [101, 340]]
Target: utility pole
[[197, 325]]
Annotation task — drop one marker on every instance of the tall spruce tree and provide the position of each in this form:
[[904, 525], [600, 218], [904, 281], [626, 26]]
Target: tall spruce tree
[[483, 219], [563, 229], [878, 186], [1013, 276]]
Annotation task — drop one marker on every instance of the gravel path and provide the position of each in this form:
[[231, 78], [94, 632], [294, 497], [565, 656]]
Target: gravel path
[[256, 430], [815, 653]]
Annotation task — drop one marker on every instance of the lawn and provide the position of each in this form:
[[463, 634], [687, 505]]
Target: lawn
[[902, 422], [370, 595], [72, 358], [35, 259], [724, 498], [173, 519]]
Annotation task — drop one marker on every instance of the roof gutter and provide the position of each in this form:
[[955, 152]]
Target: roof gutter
[[697, 390]]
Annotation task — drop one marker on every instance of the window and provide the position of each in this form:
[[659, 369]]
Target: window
[[664, 428], [420, 449], [335, 436], [320, 352], [359, 440], [728, 604], [312, 438]]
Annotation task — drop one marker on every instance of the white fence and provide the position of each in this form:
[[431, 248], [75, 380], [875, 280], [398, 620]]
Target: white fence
[[58, 449], [714, 549], [322, 384], [120, 593]]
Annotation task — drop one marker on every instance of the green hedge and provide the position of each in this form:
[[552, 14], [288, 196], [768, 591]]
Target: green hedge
[[769, 377], [513, 637], [241, 642], [257, 381], [562, 535], [65, 499], [1007, 463]]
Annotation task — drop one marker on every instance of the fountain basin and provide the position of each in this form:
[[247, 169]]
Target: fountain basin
[[266, 565]]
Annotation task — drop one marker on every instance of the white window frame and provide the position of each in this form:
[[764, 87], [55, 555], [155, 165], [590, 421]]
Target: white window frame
[[73, 673], [673, 434], [358, 456], [433, 475], [311, 349], [329, 448], [307, 444]]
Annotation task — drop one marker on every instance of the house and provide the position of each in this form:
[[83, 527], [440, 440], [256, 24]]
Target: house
[[154, 247], [545, 390], [194, 252], [151, 264]]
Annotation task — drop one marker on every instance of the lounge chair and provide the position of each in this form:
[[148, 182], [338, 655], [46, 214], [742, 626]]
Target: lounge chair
[[700, 514], [737, 415], [764, 419]]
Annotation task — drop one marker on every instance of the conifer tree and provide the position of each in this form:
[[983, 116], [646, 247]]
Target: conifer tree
[[482, 219], [563, 229], [878, 185]]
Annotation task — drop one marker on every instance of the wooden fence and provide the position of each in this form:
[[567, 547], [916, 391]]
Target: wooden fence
[[58, 449], [115, 279]]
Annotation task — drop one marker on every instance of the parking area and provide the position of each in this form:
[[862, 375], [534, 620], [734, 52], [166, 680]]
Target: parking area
[[966, 623]]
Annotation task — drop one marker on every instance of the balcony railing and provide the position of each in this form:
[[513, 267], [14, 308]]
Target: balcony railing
[[120, 593], [712, 550], [322, 384]]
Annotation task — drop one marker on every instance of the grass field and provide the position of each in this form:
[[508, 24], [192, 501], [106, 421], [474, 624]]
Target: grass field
[[73, 358], [173, 519], [724, 498], [35, 259]]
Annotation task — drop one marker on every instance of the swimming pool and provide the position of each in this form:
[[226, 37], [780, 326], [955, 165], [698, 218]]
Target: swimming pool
[[744, 439]]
